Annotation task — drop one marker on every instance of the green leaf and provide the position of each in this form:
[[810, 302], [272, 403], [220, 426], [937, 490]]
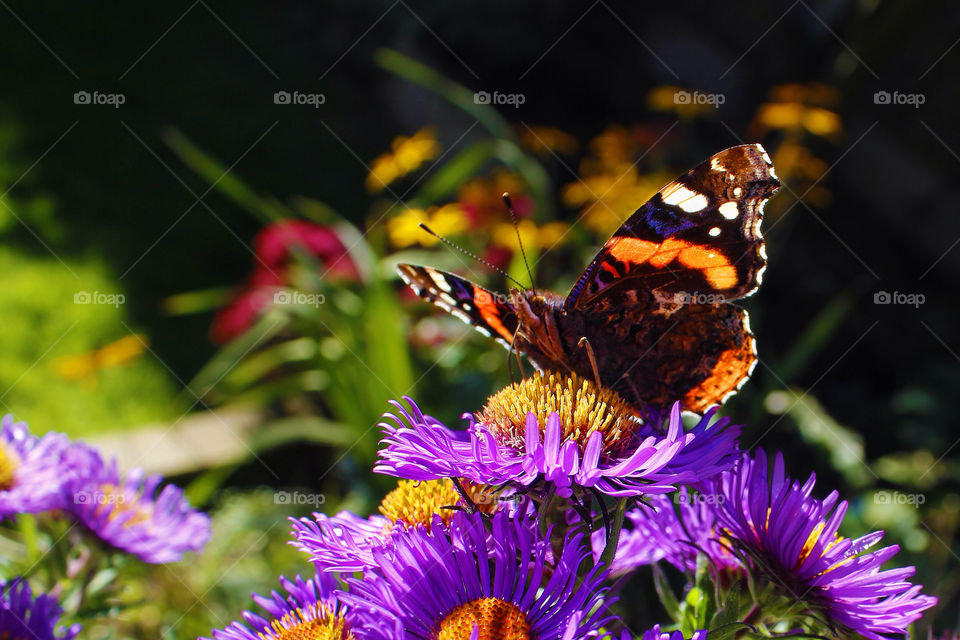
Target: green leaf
[[317, 430], [665, 593], [726, 622], [220, 177], [209, 377], [454, 173], [457, 94]]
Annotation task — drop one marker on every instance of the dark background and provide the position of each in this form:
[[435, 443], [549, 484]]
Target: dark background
[[209, 70]]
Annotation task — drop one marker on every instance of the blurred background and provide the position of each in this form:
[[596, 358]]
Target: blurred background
[[202, 204]]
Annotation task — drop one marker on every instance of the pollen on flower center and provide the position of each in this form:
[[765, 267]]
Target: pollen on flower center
[[414, 502], [8, 467], [312, 623], [581, 406], [120, 502], [495, 619]]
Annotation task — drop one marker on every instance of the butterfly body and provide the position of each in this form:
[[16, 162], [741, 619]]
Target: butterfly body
[[655, 305]]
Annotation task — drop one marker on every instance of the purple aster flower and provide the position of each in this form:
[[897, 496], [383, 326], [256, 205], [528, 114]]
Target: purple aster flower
[[23, 616], [307, 609], [561, 430], [792, 538], [31, 479], [461, 582], [345, 542], [656, 634], [129, 512], [675, 528]]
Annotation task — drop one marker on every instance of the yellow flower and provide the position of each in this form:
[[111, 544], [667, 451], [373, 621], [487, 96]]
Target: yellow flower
[[607, 199], [798, 108], [543, 140], [404, 230], [533, 236], [406, 155], [797, 163], [114, 354]]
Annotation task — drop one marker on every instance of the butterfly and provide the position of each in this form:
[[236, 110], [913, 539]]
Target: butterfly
[[652, 315]]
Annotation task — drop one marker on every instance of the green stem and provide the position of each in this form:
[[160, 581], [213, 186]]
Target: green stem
[[613, 536], [544, 509]]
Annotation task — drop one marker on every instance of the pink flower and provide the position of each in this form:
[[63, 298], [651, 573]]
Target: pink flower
[[275, 248]]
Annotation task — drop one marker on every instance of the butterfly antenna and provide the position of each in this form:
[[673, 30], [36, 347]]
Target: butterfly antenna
[[453, 245], [516, 227]]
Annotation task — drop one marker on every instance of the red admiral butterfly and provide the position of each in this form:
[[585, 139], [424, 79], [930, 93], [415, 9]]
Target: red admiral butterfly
[[654, 305]]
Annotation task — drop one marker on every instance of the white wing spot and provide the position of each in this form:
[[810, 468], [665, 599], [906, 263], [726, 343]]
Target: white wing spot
[[714, 232], [766, 158], [439, 280], [676, 194], [729, 210], [773, 172], [737, 192], [449, 299], [716, 165]]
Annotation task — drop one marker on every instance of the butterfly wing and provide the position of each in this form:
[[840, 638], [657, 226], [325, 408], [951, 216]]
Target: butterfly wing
[[698, 237], [489, 313], [699, 355]]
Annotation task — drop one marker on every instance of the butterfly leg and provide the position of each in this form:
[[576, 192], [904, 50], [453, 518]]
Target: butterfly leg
[[585, 344], [516, 352]]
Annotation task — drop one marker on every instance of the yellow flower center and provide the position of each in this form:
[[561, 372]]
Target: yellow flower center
[[414, 502], [495, 619], [582, 407], [9, 461], [812, 540], [121, 501], [314, 623]]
